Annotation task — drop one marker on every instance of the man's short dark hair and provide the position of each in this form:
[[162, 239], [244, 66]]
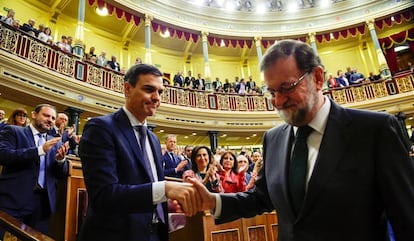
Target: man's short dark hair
[[40, 106], [305, 57], [132, 75]]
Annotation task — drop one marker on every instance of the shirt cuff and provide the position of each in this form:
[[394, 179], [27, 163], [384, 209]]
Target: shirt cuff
[[217, 211], [158, 192]]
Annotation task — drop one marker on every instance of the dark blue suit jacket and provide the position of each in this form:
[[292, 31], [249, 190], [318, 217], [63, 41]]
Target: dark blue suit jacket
[[20, 160], [362, 171], [120, 203], [170, 165]]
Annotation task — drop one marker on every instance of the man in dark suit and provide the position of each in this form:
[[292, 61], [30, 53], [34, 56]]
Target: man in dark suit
[[114, 64], [30, 169], [68, 135], [251, 85], [174, 166], [122, 166], [199, 83], [178, 79], [189, 81], [352, 174]]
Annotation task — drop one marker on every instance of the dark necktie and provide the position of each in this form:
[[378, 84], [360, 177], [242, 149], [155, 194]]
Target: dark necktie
[[42, 163], [297, 169], [142, 130]]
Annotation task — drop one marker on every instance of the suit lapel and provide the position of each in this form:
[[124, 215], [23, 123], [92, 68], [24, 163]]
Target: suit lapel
[[330, 152], [125, 128], [278, 159], [156, 150]]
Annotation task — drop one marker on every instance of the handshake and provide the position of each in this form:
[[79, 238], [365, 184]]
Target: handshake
[[190, 198]]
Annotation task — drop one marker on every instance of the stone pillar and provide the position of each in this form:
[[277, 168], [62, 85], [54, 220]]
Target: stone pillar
[[383, 68], [258, 41], [312, 41], [78, 47], [207, 72], [74, 114], [148, 57], [213, 140]]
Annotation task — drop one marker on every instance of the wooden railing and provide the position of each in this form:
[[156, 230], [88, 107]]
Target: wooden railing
[[50, 57], [18, 231]]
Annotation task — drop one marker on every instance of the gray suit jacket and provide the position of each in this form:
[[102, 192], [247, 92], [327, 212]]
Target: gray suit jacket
[[362, 172]]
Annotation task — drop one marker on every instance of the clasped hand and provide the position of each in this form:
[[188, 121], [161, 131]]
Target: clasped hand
[[190, 198]]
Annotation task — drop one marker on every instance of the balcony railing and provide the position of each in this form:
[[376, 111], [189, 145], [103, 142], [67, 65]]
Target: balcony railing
[[31, 49]]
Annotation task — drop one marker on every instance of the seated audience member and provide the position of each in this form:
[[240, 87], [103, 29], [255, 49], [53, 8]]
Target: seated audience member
[[189, 174], [332, 83], [217, 84], [257, 166], [178, 79], [114, 64], [68, 134], [2, 115], [138, 60], [173, 165], [29, 27], [18, 117], [199, 83], [189, 80], [226, 85], [32, 162], [102, 59], [45, 35], [68, 45], [93, 59], [231, 176], [9, 18], [91, 53], [373, 77], [62, 43], [41, 28], [242, 161], [3, 121], [356, 77], [16, 24], [204, 166], [341, 79], [256, 156]]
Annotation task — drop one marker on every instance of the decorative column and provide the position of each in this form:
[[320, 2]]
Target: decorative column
[[213, 140], [74, 114], [78, 46], [148, 58], [312, 41], [258, 41], [205, 54], [384, 69]]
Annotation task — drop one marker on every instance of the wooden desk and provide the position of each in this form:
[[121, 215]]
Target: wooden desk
[[198, 228], [202, 228]]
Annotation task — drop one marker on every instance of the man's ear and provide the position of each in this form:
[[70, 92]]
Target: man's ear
[[319, 77], [127, 88]]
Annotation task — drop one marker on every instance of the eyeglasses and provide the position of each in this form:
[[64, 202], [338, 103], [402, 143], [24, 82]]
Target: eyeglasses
[[21, 115], [287, 88]]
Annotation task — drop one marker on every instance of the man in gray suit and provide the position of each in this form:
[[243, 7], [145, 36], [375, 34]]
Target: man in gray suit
[[357, 173]]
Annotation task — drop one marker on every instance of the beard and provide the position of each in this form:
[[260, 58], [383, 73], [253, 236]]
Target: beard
[[297, 116], [42, 127]]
